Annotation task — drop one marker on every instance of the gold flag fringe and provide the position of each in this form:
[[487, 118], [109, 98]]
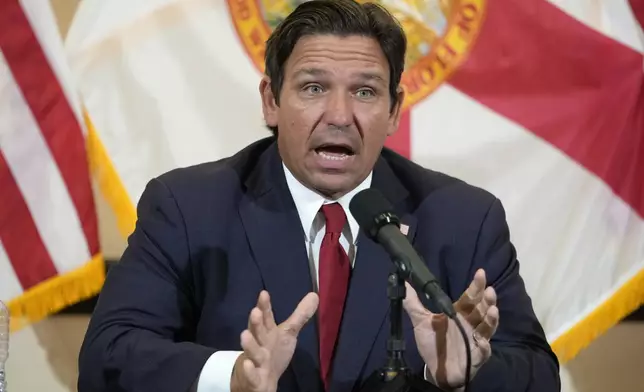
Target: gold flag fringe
[[57, 293], [628, 298], [108, 180]]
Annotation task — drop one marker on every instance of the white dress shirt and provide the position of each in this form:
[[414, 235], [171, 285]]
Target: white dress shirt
[[216, 373]]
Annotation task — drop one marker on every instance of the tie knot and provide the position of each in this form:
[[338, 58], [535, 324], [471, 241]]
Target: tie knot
[[335, 217]]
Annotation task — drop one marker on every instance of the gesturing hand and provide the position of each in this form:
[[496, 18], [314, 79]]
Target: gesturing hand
[[439, 341], [268, 348]]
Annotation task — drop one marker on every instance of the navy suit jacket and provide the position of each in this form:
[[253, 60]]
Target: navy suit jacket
[[210, 237]]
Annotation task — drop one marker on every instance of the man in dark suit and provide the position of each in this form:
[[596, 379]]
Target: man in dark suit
[[251, 274]]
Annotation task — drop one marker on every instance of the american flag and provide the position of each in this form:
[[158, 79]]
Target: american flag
[[49, 248]]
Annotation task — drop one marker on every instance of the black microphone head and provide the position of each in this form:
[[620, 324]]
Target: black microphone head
[[372, 210]]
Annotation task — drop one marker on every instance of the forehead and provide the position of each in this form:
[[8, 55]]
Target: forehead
[[336, 54]]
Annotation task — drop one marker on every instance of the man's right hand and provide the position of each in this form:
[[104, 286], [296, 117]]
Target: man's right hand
[[268, 348]]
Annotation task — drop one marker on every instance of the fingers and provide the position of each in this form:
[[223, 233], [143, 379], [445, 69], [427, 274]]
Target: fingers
[[260, 322], [481, 352], [302, 314], [487, 328], [478, 307], [261, 319], [266, 348], [472, 296], [482, 335], [264, 304], [252, 374], [254, 357], [256, 326], [412, 305], [254, 352], [481, 309]]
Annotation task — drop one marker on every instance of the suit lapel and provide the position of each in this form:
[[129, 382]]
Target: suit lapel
[[367, 304], [277, 242]]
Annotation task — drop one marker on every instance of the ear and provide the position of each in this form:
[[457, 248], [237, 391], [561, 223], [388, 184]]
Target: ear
[[394, 118], [269, 105]]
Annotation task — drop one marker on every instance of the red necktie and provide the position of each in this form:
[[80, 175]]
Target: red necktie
[[334, 272]]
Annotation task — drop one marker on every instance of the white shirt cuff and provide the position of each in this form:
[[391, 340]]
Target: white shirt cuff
[[217, 371]]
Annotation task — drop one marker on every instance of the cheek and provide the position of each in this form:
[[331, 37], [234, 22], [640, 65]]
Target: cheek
[[373, 140], [375, 125], [300, 121], [296, 128], [295, 133]]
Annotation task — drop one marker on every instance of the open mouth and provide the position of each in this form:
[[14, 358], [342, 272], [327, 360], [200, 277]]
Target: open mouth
[[336, 152]]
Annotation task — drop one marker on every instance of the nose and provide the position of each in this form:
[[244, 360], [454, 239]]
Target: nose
[[339, 110]]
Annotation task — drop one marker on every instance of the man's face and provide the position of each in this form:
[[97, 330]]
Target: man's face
[[334, 113]]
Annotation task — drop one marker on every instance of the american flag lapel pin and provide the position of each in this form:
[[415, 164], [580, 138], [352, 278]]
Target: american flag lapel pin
[[404, 229]]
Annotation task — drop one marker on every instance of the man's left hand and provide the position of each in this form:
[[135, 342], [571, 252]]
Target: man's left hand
[[439, 340]]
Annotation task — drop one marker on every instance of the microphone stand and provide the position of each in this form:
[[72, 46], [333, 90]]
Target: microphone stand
[[395, 376]]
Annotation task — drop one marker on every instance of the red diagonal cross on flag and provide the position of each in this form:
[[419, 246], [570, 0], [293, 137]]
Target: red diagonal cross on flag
[[576, 88], [548, 113]]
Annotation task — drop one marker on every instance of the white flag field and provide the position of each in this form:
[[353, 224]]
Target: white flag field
[[540, 102]]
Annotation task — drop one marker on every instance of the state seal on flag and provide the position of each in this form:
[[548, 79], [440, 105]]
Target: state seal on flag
[[440, 33]]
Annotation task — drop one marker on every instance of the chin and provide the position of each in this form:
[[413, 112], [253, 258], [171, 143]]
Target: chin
[[334, 185]]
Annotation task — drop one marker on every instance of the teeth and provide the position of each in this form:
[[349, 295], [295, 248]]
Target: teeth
[[333, 157]]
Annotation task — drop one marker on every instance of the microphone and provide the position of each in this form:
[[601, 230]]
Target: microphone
[[375, 215]]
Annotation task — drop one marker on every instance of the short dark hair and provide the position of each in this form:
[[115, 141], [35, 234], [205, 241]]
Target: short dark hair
[[336, 17]]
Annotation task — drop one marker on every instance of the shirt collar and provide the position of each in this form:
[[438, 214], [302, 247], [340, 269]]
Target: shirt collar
[[308, 202]]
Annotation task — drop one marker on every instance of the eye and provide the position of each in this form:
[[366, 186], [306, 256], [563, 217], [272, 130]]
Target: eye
[[365, 93], [313, 88]]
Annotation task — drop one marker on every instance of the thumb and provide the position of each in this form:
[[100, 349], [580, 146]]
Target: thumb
[[412, 305], [302, 314]]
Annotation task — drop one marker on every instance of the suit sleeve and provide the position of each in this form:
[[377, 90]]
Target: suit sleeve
[[522, 360], [139, 336]]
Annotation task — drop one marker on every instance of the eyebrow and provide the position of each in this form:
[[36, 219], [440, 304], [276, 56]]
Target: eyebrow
[[311, 72], [372, 76], [320, 72]]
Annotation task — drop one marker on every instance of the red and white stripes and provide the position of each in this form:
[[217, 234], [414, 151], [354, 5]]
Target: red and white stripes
[[48, 222]]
